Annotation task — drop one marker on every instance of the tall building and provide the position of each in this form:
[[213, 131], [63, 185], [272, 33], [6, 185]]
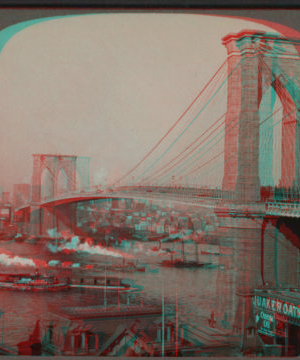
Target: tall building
[[128, 204], [22, 194], [115, 204], [5, 196]]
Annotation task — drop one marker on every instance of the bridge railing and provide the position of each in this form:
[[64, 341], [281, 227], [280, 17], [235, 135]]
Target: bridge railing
[[181, 191], [283, 209], [59, 196]]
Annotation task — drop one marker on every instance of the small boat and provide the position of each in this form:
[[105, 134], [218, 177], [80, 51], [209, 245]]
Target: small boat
[[32, 240], [128, 268], [20, 237], [32, 282], [216, 250], [184, 264], [209, 253]]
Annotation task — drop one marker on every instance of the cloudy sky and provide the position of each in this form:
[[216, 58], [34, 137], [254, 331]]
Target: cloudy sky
[[106, 86]]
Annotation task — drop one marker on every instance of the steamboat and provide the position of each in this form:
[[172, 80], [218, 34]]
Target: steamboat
[[42, 282], [33, 282]]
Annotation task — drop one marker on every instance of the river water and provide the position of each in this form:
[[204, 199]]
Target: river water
[[198, 291]]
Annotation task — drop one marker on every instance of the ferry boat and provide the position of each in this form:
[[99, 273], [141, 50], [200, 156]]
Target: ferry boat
[[39, 282], [32, 282], [97, 281]]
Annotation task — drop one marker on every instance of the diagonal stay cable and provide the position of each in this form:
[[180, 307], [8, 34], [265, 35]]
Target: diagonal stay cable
[[204, 107], [164, 169], [225, 132], [236, 153], [197, 153], [173, 126]]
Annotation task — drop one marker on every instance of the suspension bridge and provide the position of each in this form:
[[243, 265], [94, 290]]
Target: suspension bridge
[[234, 151], [237, 141]]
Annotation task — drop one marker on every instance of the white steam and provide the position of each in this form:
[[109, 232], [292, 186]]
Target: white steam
[[9, 260], [74, 245]]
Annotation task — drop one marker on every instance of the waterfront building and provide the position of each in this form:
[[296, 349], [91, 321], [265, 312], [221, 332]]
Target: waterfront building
[[98, 330], [277, 320]]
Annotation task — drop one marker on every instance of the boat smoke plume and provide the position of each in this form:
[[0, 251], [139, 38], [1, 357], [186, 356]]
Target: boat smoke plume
[[7, 259], [75, 246]]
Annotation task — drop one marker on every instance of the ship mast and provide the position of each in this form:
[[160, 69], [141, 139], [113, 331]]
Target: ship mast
[[176, 340], [163, 322], [182, 247], [105, 288], [2, 314]]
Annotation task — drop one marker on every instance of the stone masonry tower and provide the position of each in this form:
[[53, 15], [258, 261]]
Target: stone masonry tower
[[256, 62]]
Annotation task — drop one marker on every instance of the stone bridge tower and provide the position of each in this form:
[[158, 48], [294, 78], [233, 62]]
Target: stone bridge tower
[[256, 62], [75, 170]]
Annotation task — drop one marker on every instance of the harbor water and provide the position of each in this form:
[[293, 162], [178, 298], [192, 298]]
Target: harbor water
[[197, 291]]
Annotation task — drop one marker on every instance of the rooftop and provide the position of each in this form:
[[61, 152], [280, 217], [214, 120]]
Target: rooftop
[[99, 312]]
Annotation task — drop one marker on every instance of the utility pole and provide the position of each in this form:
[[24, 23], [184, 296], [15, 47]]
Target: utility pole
[[119, 287], [176, 340], [243, 324], [163, 323], [105, 288], [2, 313]]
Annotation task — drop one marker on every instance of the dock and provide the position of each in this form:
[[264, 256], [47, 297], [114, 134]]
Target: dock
[[7, 350]]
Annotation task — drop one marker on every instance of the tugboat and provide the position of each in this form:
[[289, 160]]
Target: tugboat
[[32, 282]]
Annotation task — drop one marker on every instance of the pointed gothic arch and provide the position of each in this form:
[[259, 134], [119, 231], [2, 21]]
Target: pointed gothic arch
[[67, 172], [47, 184], [78, 181], [266, 143], [61, 182]]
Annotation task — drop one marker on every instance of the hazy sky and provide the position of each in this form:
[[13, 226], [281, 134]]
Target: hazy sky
[[106, 86]]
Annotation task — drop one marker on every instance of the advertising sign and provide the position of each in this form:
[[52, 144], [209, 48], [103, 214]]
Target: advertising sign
[[265, 323], [272, 315], [280, 307], [281, 322]]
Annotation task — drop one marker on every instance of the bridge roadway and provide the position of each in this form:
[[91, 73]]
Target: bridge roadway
[[206, 198]]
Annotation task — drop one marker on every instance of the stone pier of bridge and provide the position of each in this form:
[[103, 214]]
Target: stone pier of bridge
[[61, 218], [51, 220], [263, 257]]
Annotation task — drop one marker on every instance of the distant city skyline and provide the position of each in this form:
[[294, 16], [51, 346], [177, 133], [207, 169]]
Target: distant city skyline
[[106, 86]]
